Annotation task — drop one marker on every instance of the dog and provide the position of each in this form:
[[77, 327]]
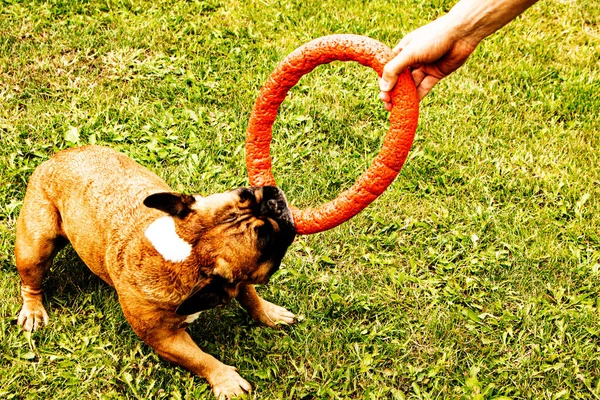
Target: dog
[[168, 255]]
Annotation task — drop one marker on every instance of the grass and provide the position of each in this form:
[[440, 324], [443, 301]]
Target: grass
[[476, 275]]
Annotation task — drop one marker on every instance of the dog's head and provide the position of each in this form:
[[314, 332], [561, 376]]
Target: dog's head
[[239, 236]]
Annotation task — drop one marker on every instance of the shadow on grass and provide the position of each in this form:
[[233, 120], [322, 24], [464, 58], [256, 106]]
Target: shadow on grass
[[71, 287]]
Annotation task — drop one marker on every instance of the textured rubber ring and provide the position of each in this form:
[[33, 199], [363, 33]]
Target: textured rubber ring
[[385, 166]]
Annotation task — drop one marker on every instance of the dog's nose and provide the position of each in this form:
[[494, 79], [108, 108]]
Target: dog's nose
[[274, 206]]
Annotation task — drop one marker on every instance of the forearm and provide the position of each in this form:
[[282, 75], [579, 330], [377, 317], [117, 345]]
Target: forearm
[[477, 19]]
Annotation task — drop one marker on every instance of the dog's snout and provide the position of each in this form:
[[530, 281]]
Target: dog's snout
[[273, 207], [274, 204]]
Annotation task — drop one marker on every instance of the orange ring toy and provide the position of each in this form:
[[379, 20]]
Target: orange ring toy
[[385, 166]]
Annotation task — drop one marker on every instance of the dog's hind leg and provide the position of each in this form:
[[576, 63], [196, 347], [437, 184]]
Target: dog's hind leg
[[37, 241]]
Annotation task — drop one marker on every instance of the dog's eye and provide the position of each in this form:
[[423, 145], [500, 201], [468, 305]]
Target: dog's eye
[[230, 218]]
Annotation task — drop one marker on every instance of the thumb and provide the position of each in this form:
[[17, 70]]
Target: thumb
[[391, 71]]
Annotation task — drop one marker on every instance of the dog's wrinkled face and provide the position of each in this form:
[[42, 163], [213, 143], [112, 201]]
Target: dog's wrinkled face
[[253, 228], [241, 236]]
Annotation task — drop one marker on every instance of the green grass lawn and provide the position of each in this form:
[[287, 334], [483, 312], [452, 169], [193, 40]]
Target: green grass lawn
[[476, 275]]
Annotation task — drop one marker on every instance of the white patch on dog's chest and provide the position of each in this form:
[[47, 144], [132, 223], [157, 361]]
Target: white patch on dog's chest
[[161, 233], [192, 317]]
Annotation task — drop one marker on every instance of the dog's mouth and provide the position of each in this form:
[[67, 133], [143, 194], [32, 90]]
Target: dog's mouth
[[277, 232], [269, 203]]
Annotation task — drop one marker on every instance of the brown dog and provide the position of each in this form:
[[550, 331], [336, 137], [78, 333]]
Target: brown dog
[[168, 255]]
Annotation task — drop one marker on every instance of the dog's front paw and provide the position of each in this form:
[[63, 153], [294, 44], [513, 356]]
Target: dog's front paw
[[273, 315], [33, 315], [228, 384]]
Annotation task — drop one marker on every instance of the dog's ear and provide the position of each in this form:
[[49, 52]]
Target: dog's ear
[[205, 297], [174, 204]]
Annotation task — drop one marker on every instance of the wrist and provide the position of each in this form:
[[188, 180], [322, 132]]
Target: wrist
[[467, 18], [461, 28]]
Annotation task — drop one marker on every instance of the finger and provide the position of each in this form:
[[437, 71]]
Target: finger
[[387, 100], [418, 75], [387, 84], [392, 69], [385, 97], [426, 85]]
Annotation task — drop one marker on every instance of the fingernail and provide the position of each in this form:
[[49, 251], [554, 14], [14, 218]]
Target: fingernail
[[384, 86]]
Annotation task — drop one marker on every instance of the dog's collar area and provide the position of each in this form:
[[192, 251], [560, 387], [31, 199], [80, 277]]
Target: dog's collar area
[[212, 293], [164, 238]]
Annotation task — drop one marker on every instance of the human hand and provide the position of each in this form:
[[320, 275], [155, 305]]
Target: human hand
[[432, 52]]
